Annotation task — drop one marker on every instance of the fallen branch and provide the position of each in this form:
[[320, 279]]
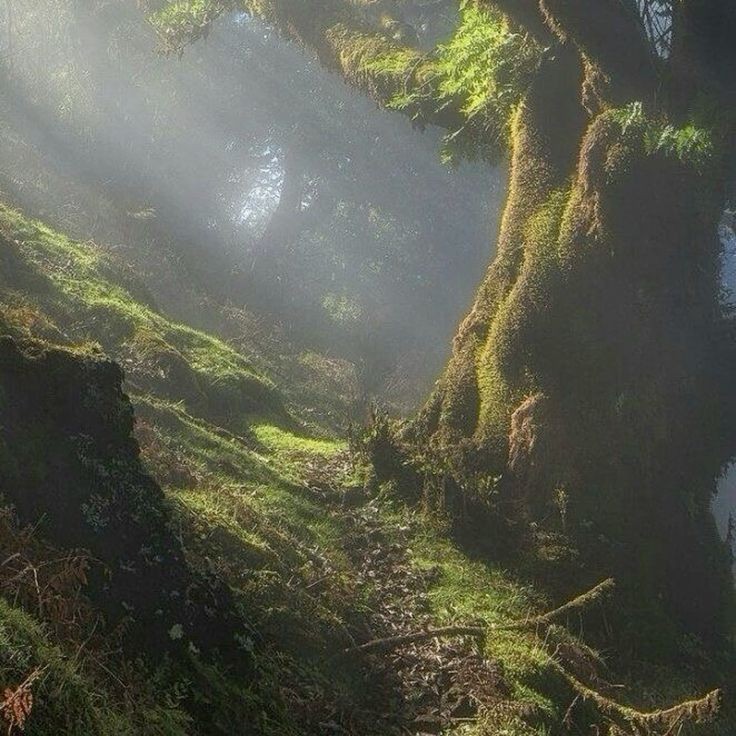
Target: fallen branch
[[391, 642], [598, 593], [632, 722]]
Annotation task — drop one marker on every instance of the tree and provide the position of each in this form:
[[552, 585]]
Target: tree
[[594, 364]]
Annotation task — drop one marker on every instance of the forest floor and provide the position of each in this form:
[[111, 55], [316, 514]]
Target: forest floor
[[426, 686]]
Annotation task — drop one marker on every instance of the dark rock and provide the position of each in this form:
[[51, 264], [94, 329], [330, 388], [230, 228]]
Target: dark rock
[[69, 463]]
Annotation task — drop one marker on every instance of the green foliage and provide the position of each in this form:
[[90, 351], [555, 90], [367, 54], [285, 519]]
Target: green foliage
[[483, 70], [488, 67], [690, 143], [373, 55], [184, 21], [71, 699], [83, 296], [468, 590]]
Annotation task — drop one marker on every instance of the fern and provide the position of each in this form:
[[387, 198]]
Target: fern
[[183, 21], [689, 143]]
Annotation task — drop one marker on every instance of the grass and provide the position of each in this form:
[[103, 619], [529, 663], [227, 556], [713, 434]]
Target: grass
[[69, 700], [76, 294], [465, 591], [214, 433], [278, 440]]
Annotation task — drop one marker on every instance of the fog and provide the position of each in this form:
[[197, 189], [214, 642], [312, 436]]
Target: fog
[[260, 176]]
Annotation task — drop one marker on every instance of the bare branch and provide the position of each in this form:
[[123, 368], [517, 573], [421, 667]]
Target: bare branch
[[598, 593]]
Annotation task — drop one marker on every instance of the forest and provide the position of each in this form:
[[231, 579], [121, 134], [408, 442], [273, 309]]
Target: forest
[[367, 367]]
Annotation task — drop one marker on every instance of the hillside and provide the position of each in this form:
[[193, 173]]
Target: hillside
[[301, 552]]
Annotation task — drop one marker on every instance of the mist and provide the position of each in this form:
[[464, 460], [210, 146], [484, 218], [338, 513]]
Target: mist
[[264, 179], [366, 367], [724, 503]]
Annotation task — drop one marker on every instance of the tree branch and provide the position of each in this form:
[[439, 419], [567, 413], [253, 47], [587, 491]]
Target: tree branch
[[610, 35], [599, 592], [376, 59], [392, 642]]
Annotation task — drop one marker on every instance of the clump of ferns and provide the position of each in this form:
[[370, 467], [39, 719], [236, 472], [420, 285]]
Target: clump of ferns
[[381, 445], [690, 143], [446, 481]]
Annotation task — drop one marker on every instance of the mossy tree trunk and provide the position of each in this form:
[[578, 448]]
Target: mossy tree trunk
[[594, 372]]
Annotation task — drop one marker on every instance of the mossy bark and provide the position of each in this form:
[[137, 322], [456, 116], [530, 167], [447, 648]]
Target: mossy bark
[[594, 363]]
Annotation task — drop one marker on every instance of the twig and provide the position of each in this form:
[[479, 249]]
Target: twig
[[597, 593], [391, 642]]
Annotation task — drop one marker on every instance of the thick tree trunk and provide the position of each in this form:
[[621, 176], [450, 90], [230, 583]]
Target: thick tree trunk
[[592, 372]]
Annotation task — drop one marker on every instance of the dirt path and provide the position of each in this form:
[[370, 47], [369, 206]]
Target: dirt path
[[439, 682], [425, 687]]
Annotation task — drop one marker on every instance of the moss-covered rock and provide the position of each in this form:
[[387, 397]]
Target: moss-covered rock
[[69, 463]]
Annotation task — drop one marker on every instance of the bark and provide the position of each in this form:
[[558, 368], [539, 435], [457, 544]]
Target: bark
[[703, 59], [594, 365], [285, 224], [610, 36]]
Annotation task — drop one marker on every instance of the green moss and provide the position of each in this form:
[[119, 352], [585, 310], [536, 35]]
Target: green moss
[[504, 365], [83, 296], [212, 432], [280, 440], [256, 480], [468, 590]]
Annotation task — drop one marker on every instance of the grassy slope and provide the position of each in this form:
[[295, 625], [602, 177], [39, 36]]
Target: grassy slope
[[214, 432], [209, 426]]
